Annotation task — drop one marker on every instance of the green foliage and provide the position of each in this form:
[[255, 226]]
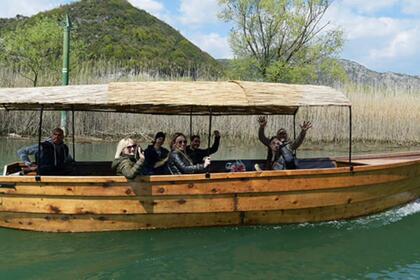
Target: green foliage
[[114, 30], [282, 40], [35, 47]]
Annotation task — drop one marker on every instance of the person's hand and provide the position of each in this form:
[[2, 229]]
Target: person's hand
[[140, 154], [306, 125], [262, 120], [31, 168], [216, 133], [206, 162]]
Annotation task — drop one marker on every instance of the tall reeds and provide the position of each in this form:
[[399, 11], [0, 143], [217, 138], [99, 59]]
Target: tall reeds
[[379, 114]]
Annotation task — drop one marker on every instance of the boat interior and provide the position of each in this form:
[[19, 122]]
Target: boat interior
[[103, 168]]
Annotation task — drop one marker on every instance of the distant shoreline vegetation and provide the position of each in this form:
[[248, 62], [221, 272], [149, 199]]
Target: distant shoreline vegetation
[[383, 115]]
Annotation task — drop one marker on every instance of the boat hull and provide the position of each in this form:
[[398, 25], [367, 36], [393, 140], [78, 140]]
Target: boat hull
[[100, 203]]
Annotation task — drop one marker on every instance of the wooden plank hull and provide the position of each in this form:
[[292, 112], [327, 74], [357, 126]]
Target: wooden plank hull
[[83, 204]]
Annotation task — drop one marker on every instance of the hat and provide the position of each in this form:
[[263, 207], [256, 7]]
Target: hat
[[159, 134]]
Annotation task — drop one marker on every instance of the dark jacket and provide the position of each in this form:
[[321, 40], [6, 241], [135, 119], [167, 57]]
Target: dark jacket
[[152, 157], [54, 159], [180, 163], [197, 155], [127, 166], [278, 159]]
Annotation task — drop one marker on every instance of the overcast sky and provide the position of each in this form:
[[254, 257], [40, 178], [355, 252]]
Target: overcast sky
[[383, 35]]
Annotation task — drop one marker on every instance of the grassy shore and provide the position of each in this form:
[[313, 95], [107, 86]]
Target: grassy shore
[[383, 115]]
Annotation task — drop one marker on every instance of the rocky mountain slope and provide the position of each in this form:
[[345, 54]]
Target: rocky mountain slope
[[360, 75]]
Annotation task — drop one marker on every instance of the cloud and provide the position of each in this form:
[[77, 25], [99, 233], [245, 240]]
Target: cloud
[[403, 44], [10, 9], [151, 6], [198, 12], [213, 43], [382, 43], [366, 6], [410, 7]]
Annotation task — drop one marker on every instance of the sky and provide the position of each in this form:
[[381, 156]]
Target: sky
[[382, 35]]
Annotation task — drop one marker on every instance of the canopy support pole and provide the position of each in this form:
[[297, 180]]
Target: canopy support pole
[[39, 137], [191, 132], [350, 138], [73, 133], [209, 142], [294, 129]]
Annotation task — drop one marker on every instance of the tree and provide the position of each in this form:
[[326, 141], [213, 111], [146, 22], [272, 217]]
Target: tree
[[281, 40], [35, 47]]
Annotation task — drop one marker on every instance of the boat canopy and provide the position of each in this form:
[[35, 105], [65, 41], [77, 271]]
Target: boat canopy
[[175, 98]]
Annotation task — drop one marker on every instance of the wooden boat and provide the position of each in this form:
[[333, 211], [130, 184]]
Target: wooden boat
[[95, 200]]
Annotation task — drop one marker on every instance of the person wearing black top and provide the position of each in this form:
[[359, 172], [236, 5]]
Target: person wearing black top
[[53, 158], [156, 156], [196, 154], [179, 162]]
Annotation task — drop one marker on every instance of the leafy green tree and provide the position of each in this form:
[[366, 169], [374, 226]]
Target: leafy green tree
[[36, 47], [281, 40]]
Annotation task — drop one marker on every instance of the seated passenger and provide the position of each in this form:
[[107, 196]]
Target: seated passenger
[[286, 149], [126, 162], [156, 156], [179, 162], [196, 154], [54, 158]]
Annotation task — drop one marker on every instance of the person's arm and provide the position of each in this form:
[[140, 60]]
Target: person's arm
[[215, 145], [261, 135], [299, 140], [206, 152], [186, 169], [25, 152], [131, 171]]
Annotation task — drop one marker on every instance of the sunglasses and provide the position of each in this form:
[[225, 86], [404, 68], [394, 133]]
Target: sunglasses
[[132, 147], [182, 142]]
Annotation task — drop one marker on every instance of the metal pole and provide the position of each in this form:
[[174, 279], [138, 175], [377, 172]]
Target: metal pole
[[191, 133], [39, 137], [66, 63], [294, 131], [73, 134], [209, 138], [350, 136], [209, 142]]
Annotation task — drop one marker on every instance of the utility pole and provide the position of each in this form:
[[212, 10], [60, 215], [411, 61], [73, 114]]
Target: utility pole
[[66, 66]]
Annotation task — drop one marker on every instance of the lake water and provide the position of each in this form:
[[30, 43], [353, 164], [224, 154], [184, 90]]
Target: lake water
[[383, 246]]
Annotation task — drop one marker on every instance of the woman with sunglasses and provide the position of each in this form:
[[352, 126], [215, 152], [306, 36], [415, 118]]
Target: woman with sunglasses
[[179, 162], [129, 159]]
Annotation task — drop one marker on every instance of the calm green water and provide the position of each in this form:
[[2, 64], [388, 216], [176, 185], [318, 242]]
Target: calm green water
[[383, 246]]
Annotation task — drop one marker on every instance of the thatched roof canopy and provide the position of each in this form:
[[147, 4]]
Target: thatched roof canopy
[[233, 97]]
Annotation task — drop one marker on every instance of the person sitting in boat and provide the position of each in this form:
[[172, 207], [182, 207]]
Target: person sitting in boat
[[196, 154], [179, 162], [129, 159], [287, 147], [54, 158], [156, 156]]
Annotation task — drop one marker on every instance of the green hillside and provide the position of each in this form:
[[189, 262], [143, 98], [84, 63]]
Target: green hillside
[[114, 30]]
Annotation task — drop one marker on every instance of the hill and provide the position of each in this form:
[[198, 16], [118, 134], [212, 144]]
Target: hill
[[115, 30], [359, 74]]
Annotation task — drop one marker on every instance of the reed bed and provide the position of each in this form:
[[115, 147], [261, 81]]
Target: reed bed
[[379, 114]]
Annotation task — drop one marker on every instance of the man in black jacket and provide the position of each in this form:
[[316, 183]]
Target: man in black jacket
[[54, 158], [196, 154]]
